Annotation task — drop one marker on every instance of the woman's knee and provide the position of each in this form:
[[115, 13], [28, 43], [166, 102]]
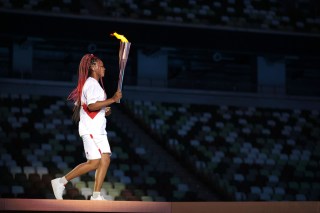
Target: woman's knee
[[94, 163], [105, 159]]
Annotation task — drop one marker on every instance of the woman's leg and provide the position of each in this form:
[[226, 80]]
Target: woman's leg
[[82, 169], [58, 183], [101, 171]]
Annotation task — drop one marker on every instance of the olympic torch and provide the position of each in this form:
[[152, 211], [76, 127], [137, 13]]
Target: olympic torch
[[123, 57]]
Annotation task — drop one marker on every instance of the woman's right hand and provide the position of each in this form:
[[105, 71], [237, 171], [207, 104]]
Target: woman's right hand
[[117, 96]]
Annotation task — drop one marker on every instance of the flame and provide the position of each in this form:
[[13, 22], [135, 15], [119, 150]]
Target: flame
[[121, 37]]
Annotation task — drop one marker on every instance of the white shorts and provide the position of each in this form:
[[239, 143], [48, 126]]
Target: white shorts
[[95, 145]]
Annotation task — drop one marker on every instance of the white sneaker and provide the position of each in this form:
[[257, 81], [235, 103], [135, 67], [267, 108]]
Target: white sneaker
[[57, 188], [100, 197]]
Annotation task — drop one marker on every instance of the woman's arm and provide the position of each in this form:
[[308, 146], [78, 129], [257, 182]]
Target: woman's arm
[[100, 104]]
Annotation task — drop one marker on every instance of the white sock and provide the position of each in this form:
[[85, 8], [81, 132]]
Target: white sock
[[63, 180], [96, 194]]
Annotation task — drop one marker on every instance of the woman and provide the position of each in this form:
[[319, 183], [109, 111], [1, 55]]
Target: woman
[[90, 110]]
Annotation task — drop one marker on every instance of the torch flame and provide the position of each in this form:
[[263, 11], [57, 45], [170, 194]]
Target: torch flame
[[121, 37]]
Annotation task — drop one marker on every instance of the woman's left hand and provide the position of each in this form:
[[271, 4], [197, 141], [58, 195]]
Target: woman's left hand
[[108, 111]]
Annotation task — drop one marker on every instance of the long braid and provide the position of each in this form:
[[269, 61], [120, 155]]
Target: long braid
[[84, 72]]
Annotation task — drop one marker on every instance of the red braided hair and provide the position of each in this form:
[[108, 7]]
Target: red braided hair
[[84, 72]]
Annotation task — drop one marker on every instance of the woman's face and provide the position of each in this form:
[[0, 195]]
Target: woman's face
[[100, 69]]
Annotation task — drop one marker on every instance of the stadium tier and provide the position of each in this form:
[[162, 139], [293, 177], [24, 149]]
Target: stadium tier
[[239, 153], [283, 16]]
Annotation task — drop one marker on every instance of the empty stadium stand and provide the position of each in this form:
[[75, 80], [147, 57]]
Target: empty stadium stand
[[285, 16], [40, 142], [248, 153], [239, 153]]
